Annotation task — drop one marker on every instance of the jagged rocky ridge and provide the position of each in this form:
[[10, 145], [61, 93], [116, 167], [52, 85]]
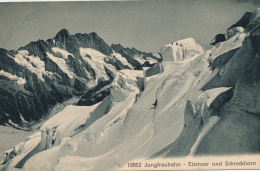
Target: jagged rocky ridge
[[43, 73], [200, 103]]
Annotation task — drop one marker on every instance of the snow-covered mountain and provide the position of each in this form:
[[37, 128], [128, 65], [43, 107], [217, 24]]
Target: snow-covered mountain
[[193, 102], [43, 73]]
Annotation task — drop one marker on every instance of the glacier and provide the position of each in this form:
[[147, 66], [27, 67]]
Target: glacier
[[194, 102]]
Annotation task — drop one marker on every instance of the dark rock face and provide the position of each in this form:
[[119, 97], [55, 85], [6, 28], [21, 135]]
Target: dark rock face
[[93, 98], [240, 118], [235, 64], [43, 73], [218, 38], [243, 22], [132, 54], [95, 94], [63, 39], [235, 134], [223, 59], [247, 89], [120, 49], [147, 64], [117, 63], [156, 69]]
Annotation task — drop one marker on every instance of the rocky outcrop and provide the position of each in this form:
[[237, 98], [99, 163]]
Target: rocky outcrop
[[243, 22], [218, 38], [240, 115], [95, 94], [135, 57]]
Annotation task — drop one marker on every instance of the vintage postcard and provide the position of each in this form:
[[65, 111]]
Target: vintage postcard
[[130, 85]]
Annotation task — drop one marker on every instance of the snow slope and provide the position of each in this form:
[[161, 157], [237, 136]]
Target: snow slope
[[62, 52], [97, 62], [122, 59], [181, 51], [202, 103], [62, 64], [19, 80], [34, 64]]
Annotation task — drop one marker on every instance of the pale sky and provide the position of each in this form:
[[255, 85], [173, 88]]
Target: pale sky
[[145, 25]]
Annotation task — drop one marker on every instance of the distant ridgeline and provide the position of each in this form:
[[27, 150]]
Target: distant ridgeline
[[192, 103], [43, 73]]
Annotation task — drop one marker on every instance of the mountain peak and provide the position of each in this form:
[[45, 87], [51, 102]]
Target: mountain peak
[[93, 33], [63, 33], [117, 45], [33, 45]]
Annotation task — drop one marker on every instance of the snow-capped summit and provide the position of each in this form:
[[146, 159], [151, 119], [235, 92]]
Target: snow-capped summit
[[181, 51]]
